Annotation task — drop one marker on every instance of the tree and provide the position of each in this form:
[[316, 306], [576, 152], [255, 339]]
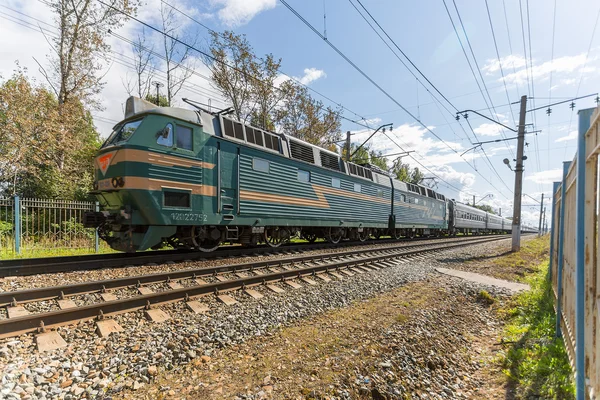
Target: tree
[[233, 66], [162, 100], [33, 128], [265, 95], [140, 85], [80, 48], [486, 208], [365, 155], [404, 173], [177, 56], [306, 118]]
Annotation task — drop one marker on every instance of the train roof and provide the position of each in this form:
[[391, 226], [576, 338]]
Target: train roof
[[216, 123]]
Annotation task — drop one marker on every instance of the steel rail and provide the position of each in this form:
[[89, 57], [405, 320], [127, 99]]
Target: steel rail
[[45, 293], [30, 323], [46, 265]]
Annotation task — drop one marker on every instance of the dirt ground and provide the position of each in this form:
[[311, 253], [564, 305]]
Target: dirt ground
[[433, 339]]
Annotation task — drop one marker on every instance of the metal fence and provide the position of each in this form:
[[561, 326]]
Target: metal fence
[[42, 224], [574, 256]]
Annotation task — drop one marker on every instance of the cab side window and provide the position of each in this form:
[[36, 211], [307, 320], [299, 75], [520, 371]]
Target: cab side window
[[165, 136], [184, 137]]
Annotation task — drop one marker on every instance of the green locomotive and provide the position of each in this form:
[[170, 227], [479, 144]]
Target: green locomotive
[[196, 179]]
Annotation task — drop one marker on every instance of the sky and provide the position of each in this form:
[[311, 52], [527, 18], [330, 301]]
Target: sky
[[547, 50]]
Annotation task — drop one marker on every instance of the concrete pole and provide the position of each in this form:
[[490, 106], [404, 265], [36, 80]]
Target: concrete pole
[[348, 146], [500, 211], [545, 224], [473, 200], [541, 212], [516, 221]]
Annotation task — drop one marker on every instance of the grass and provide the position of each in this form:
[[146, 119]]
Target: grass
[[485, 297], [6, 254], [536, 363], [531, 253]]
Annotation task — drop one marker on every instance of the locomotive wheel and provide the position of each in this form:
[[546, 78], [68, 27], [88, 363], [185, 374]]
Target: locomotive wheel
[[397, 234], [334, 235], [208, 245], [309, 237], [364, 235], [376, 233], [204, 245], [275, 237]]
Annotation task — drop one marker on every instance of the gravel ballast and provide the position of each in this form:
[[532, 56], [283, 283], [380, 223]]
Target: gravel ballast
[[91, 366]]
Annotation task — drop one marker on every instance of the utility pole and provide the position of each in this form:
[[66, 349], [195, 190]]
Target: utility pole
[[516, 221], [544, 225], [500, 211], [541, 212], [348, 146], [473, 200], [158, 85]]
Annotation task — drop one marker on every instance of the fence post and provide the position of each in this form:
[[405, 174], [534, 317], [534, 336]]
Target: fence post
[[561, 240], [96, 243], [584, 125], [17, 220], [552, 230]]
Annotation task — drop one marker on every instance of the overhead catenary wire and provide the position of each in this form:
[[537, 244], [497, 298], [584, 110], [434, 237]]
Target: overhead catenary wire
[[338, 104], [587, 54], [366, 76], [476, 80], [532, 94], [475, 77], [551, 71]]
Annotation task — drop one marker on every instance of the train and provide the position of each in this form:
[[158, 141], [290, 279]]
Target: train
[[195, 179]]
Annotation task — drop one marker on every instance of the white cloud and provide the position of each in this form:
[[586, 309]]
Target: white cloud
[[546, 177], [513, 61], [311, 75], [565, 64], [234, 13], [570, 136], [488, 130]]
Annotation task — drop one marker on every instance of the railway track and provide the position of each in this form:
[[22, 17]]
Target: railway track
[[48, 265], [188, 285]]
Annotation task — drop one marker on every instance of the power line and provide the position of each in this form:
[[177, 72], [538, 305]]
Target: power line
[[551, 71], [279, 70], [583, 68], [498, 57], [366, 76], [495, 114], [476, 80], [402, 52], [535, 137], [406, 66], [469, 63]]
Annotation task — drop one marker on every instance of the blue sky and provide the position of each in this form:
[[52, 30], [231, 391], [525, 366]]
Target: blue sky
[[424, 32]]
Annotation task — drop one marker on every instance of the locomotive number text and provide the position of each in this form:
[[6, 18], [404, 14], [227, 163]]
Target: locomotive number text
[[188, 217]]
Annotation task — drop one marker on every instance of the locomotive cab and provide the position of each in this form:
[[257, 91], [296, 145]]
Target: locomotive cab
[[148, 174]]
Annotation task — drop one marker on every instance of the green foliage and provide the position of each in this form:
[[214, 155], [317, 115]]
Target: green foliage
[[256, 98], [5, 228], [46, 148], [163, 102], [537, 362], [485, 297], [485, 207], [404, 173]]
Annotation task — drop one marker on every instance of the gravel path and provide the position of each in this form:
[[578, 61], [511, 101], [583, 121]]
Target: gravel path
[[91, 366]]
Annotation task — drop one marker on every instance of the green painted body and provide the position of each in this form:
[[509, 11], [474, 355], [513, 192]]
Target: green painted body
[[226, 190]]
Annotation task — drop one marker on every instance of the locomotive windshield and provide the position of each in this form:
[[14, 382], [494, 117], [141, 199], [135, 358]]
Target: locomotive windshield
[[122, 132]]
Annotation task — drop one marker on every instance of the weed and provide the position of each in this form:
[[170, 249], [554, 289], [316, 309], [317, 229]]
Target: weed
[[400, 318], [485, 297], [536, 363]]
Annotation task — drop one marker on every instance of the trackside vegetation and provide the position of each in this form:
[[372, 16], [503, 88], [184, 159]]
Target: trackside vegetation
[[536, 362]]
